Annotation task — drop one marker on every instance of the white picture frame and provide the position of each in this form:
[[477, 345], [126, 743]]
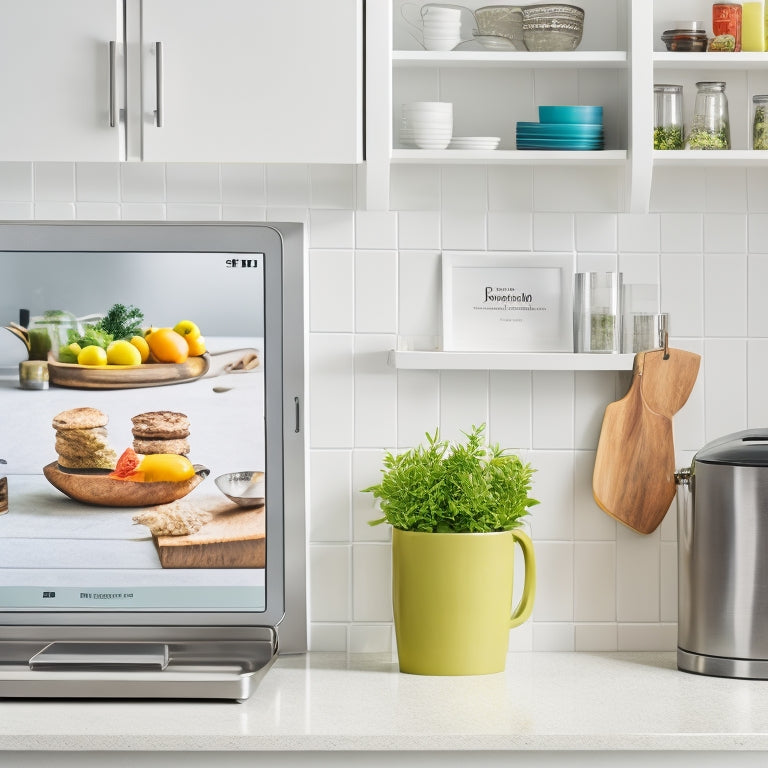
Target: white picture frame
[[507, 301]]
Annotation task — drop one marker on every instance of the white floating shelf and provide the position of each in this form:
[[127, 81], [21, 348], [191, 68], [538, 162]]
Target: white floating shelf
[[709, 157], [742, 60], [508, 361], [510, 156], [522, 59]]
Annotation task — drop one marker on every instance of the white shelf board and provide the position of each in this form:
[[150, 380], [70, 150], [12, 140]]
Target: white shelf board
[[511, 156], [522, 59], [709, 157], [508, 361], [742, 60]]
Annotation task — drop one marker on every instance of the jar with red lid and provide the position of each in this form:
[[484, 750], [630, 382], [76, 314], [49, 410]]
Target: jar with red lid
[[726, 27]]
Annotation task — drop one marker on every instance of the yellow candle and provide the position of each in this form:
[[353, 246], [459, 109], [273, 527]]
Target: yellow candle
[[753, 26]]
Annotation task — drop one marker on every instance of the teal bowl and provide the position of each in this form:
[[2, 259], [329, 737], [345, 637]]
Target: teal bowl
[[571, 114]]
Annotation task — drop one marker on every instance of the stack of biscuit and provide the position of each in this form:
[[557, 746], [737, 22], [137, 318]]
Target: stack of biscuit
[[81, 439], [161, 432]]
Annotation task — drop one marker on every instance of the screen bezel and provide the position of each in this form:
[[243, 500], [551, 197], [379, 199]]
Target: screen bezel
[[284, 329]]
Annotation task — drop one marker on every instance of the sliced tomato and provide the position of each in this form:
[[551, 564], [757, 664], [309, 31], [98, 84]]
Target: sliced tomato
[[126, 465]]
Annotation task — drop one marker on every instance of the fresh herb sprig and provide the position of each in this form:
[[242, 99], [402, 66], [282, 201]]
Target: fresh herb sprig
[[120, 322], [445, 487]]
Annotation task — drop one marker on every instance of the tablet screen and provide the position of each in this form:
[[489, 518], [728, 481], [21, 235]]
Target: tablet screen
[[145, 440]]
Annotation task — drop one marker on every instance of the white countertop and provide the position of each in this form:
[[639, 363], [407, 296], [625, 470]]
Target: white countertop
[[334, 702]]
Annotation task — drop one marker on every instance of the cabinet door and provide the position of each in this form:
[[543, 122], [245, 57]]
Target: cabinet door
[[55, 87], [252, 80]]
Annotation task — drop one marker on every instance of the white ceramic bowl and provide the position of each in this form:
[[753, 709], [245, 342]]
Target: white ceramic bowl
[[435, 118], [422, 144], [428, 106], [440, 25], [431, 121], [441, 43]]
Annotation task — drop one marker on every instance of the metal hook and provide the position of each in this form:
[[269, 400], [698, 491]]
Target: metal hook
[[666, 345]]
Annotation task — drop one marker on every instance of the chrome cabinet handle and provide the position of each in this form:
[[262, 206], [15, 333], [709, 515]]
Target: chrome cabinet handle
[[159, 84], [112, 83]]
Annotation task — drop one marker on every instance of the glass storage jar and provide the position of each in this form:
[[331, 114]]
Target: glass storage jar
[[710, 128], [726, 27], [760, 122], [667, 116]]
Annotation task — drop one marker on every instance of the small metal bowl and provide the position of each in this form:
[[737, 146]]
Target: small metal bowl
[[246, 489]]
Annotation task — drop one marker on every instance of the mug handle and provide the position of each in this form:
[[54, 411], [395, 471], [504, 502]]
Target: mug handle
[[525, 606], [404, 13]]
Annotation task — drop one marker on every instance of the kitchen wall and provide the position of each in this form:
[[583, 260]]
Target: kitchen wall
[[375, 275]]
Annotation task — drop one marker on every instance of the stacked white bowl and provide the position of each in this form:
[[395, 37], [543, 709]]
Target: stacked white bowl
[[440, 27], [427, 124]]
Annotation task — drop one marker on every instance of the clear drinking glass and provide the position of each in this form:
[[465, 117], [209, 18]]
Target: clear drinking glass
[[597, 312]]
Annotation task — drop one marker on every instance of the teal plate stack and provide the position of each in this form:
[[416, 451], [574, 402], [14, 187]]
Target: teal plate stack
[[563, 127]]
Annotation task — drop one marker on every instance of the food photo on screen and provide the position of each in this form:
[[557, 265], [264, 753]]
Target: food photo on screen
[[133, 427]]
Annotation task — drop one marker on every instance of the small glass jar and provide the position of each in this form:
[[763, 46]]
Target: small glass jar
[[710, 128], [760, 122], [667, 116]]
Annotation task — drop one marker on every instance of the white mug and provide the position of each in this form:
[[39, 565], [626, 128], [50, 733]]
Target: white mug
[[438, 26]]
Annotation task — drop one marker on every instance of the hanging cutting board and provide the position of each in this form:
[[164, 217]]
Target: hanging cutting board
[[668, 377], [634, 475]]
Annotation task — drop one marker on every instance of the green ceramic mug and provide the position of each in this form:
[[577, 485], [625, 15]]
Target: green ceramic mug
[[452, 599]]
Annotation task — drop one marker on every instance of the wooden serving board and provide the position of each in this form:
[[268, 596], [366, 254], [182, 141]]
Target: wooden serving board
[[126, 376], [105, 491], [233, 538]]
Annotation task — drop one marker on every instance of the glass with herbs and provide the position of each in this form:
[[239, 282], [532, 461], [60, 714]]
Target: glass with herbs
[[597, 311], [667, 116], [760, 121], [710, 128]]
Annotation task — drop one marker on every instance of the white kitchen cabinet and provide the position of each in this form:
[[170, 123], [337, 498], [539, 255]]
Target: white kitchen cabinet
[[187, 80], [253, 80], [616, 64], [55, 60]]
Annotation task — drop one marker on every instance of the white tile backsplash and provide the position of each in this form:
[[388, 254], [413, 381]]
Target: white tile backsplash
[[331, 291], [54, 181], [725, 285], [375, 291], [374, 284], [16, 182], [142, 182], [330, 507]]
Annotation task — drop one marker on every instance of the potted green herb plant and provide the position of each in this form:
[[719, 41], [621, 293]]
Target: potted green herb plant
[[455, 509]]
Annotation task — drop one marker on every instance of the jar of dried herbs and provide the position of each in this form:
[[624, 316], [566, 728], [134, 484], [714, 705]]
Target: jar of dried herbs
[[760, 122], [710, 128], [667, 116]]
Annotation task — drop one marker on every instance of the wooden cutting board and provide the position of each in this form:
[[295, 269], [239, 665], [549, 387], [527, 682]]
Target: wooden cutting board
[[634, 475], [233, 538], [667, 378]]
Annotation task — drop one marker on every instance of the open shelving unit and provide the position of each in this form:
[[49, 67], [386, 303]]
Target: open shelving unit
[[618, 62]]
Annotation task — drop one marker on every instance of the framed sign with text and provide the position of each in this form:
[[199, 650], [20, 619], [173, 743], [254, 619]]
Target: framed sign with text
[[507, 302]]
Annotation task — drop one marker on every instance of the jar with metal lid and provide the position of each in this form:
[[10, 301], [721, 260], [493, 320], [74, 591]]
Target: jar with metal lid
[[667, 116], [760, 121], [710, 128]]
